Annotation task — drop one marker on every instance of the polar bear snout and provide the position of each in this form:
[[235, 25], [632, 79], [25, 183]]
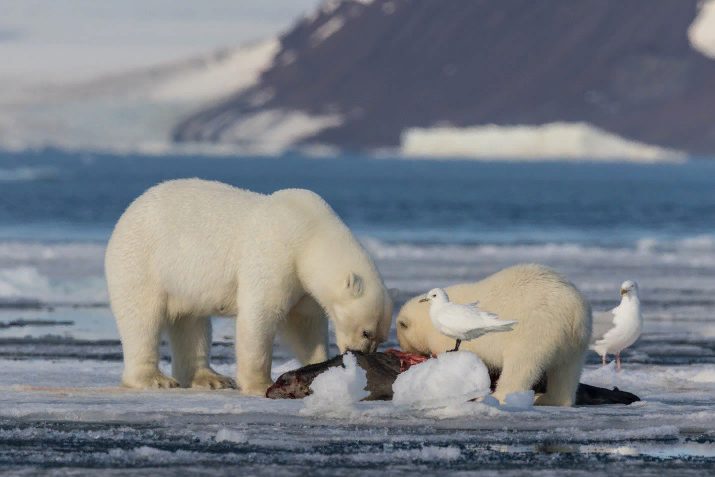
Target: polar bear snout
[[358, 343]]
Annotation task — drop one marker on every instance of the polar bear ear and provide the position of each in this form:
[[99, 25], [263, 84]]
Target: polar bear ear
[[354, 284]]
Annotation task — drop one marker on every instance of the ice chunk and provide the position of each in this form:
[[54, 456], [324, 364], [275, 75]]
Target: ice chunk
[[335, 391], [450, 378], [522, 400], [705, 376], [230, 435]]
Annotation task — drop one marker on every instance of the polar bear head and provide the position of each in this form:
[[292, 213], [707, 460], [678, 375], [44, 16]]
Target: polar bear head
[[415, 331], [361, 313]]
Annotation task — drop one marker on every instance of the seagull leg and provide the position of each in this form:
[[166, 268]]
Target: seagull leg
[[618, 361], [456, 346]]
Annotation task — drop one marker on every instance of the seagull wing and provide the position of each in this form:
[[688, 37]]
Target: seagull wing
[[465, 318]]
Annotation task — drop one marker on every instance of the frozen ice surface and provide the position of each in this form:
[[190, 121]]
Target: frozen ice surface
[[451, 378], [62, 410], [335, 392]]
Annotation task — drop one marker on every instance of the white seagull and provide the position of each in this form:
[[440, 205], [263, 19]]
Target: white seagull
[[623, 330], [462, 322]]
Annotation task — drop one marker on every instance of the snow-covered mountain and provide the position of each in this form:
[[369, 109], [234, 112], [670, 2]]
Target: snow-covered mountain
[[465, 78], [597, 78]]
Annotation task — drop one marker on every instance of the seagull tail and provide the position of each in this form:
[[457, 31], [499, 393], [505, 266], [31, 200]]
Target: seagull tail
[[503, 326]]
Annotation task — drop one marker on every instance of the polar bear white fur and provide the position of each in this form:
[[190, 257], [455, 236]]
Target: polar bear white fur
[[186, 250], [551, 336]]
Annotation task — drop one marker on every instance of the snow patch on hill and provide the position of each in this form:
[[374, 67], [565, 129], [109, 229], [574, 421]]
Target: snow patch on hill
[[702, 30], [327, 30], [222, 76], [554, 140], [273, 131]]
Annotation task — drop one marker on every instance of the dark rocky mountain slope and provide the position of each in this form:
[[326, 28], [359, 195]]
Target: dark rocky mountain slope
[[625, 66]]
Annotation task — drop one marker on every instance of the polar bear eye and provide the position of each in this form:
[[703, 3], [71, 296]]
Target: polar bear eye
[[403, 324], [366, 334]]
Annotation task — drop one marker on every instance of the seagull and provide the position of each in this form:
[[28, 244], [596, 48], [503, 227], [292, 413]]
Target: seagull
[[461, 322], [626, 326]]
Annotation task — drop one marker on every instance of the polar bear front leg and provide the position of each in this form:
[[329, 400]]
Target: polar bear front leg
[[190, 354], [256, 327]]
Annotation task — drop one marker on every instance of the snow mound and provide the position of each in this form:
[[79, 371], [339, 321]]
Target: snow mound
[[449, 379], [335, 391], [702, 31], [559, 140]]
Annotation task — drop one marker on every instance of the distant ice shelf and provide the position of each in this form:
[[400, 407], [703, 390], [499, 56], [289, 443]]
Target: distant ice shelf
[[558, 140]]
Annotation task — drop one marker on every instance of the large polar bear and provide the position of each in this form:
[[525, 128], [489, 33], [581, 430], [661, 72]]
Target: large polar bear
[[551, 337], [186, 250]]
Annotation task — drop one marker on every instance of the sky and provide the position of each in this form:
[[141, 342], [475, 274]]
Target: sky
[[72, 40]]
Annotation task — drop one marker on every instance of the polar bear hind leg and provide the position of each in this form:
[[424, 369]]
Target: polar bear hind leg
[[190, 339], [520, 371], [140, 322], [561, 382], [305, 331]]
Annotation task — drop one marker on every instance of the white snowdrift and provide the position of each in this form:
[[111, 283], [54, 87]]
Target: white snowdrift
[[335, 392], [559, 140], [702, 31], [451, 378]]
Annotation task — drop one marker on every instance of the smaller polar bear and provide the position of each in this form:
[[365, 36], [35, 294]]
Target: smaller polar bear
[[187, 250], [551, 335]]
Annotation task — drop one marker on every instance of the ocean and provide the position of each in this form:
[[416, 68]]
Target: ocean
[[427, 224]]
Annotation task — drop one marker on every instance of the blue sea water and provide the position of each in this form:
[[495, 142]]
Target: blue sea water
[[53, 195], [426, 223]]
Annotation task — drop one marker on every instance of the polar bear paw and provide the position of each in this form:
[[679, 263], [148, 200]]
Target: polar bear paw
[[209, 379], [255, 389], [150, 380]]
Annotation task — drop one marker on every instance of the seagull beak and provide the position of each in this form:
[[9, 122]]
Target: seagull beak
[[422, 300]]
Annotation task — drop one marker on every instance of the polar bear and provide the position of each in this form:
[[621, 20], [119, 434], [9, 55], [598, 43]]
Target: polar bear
[[551, 336], [283, 263]]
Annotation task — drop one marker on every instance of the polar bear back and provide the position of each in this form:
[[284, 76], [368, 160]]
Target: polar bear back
[[551, 313], [191, 232]]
